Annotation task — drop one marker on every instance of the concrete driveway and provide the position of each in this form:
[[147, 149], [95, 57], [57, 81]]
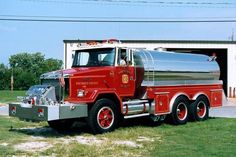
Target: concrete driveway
[[4, 109], [228, 110]]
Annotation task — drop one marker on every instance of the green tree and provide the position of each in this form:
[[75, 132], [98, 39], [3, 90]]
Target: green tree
[[31, 62], [27, 68], [23, 79], [5, 75], [52, 64]]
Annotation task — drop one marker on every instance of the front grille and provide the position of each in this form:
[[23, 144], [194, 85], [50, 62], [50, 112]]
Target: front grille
[[60, 94]]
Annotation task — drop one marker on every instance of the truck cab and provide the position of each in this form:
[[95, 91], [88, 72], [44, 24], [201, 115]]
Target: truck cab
[[102, 70]]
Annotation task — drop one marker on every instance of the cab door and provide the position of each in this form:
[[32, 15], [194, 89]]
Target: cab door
[[125, 74]]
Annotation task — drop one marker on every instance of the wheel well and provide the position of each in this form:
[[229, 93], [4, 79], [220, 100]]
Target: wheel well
[[206, 99], [110, 96], [175, 97], [184, 97]]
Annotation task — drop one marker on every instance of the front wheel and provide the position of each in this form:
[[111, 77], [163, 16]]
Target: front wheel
[[103, 116]]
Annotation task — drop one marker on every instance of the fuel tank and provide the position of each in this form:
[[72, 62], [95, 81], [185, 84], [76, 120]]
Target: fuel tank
[[162, 66]]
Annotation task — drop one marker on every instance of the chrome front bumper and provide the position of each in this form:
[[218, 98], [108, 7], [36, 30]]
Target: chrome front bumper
[[48, 113]]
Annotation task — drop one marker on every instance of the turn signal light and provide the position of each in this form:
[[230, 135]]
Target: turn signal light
[[13, 109], [40, 112]]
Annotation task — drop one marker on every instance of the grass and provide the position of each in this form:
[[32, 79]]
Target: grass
[[7, 96], [211, 138]]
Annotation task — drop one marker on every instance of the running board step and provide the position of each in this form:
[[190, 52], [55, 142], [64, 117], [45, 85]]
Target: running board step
[[136, 115]]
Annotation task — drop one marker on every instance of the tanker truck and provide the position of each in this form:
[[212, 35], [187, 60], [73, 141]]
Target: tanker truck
[[110, 82]]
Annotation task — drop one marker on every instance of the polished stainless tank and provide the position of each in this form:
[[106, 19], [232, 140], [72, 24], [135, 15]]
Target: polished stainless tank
[[164, 66]]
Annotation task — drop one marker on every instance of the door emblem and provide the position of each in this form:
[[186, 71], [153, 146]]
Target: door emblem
[[125, 78]]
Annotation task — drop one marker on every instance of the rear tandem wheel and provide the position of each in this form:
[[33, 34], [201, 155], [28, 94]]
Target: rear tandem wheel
[[199, 109], [180, 111]]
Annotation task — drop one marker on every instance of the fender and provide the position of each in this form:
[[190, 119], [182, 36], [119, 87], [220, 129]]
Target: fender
[[198, 94], [109, 92], [174, 98]]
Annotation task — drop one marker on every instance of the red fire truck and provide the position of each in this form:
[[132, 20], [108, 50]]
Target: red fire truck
[[109, 82]]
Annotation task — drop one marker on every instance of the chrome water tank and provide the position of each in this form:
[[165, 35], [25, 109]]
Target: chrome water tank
[[162, 66]]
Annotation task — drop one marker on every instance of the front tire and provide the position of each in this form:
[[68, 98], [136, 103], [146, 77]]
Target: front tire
[[180, 112], [103, 116]]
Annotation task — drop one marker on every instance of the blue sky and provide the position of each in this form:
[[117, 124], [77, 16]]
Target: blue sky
[[45, 37]]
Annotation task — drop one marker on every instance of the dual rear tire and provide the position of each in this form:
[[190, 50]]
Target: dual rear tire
[[183, 110], [199, 109], [180, 111]]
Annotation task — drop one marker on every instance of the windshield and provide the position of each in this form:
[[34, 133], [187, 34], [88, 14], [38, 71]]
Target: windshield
[[94, 57]]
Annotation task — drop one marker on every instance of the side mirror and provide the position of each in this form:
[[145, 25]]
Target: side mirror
[[129, 62]]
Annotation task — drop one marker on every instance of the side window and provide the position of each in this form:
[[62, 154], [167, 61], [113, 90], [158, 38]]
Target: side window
[[122, 57]]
